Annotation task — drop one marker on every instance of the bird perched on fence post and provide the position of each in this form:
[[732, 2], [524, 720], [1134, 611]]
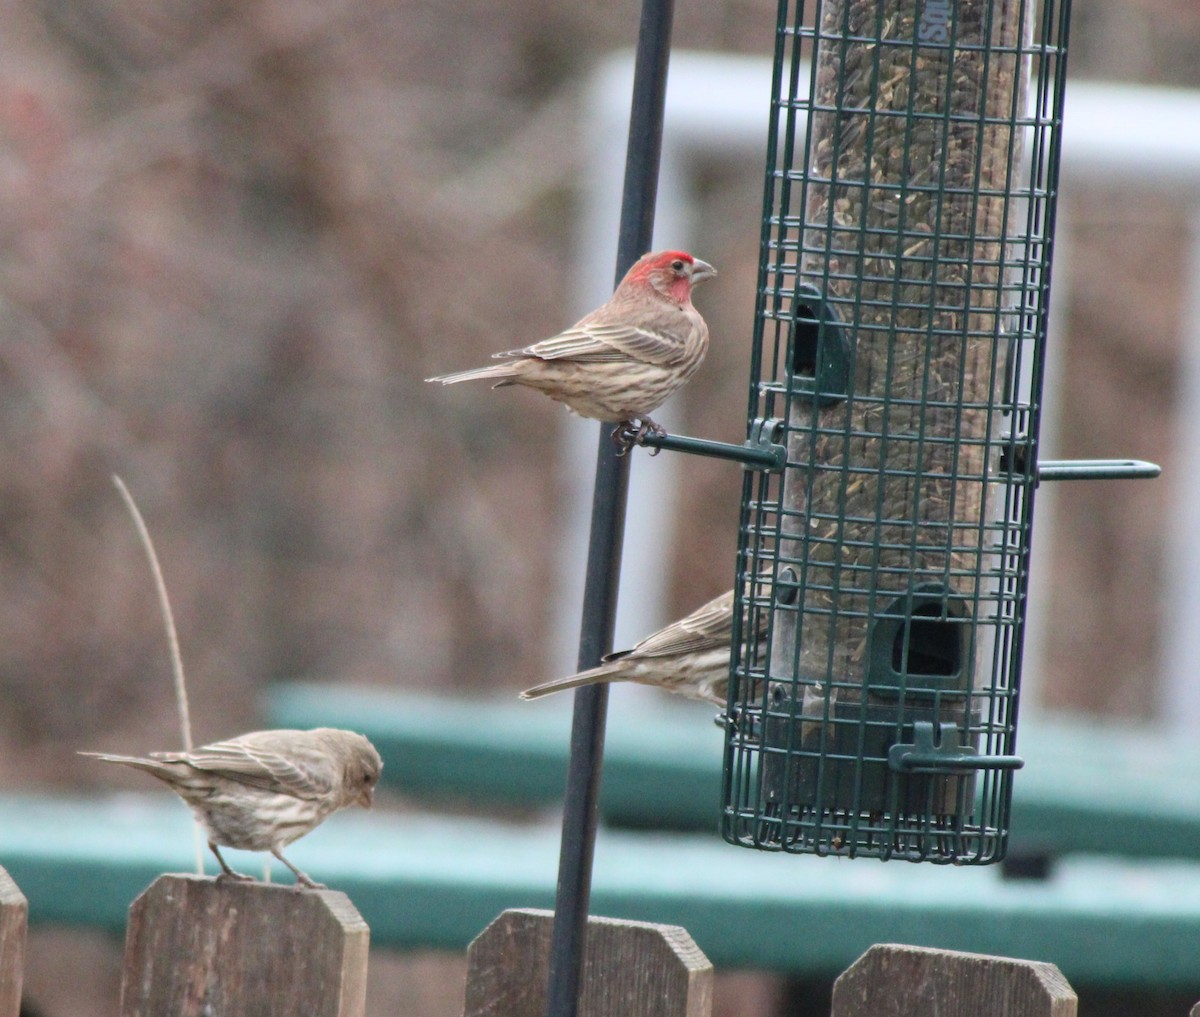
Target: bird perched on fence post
[[621, 362], [689, 657], [262, 791]]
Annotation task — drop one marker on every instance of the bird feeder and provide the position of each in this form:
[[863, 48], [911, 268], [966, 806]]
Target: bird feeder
[[899, 348]]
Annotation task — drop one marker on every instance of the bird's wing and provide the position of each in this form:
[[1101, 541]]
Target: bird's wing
[[250, 761], [596, 342], [705, 628]]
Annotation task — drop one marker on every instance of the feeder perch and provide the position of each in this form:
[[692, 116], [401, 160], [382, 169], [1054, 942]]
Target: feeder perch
[[899, 343]]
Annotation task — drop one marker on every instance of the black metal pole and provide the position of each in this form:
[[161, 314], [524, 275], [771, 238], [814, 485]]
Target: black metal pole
[[604, 545]]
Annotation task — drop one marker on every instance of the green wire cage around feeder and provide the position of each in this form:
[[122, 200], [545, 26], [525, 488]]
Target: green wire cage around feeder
[[899, 333]]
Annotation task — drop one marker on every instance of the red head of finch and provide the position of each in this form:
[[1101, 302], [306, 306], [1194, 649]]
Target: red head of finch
[[622, 361]]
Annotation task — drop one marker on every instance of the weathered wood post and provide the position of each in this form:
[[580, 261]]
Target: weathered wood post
[[912, 981], [14, 920], [630, 969], [197, 945]]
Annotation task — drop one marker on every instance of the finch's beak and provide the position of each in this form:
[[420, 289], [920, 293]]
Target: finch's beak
[[702, 270], [367, 798]]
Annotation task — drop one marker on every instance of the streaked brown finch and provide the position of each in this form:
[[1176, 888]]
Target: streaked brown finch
[[689, 657], [621, 362], [262, 791]]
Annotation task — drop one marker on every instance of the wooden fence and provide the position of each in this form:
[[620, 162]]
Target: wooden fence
[[197, 945]]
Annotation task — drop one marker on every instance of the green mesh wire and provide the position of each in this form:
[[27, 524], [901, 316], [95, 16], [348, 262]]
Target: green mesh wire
[[908, 220]]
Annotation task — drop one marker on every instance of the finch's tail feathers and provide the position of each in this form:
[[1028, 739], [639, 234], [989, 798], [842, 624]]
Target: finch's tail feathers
[[502, 374], [137, 762], [596, 675]]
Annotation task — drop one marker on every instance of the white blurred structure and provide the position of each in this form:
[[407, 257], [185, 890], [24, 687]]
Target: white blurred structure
[[714, 104], [719, 104]]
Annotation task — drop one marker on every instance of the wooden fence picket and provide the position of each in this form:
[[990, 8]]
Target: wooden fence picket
[[14, 919], [197, 945], [911, 981], [630, 969]]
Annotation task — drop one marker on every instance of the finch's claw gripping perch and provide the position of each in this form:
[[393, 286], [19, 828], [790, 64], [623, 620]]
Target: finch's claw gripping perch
[[226, 872], [624, 438], [301, 885], [634, 432], [741, 723]]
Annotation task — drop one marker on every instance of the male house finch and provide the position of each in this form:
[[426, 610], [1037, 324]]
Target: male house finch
[[622, 361], [266, 789], [690, 657]]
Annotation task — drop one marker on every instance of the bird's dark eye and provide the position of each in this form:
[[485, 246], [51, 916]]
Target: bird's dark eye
[[677, 265]]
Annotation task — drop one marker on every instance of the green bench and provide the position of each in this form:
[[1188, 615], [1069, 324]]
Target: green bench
[[434, 881], [421, 880], [1086, 787]]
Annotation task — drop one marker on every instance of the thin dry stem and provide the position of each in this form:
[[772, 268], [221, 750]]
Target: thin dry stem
[[181, 697], [164, 602]]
